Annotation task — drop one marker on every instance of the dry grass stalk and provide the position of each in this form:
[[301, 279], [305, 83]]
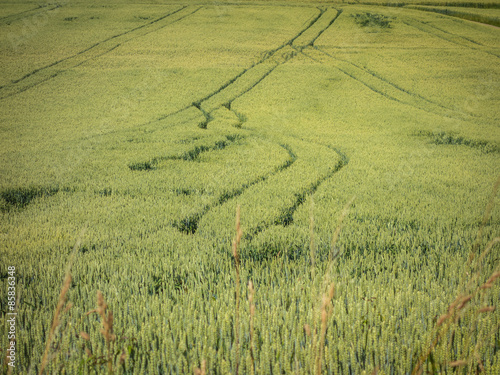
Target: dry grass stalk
[[60, 303], [6, 368], [307, 329], [55, 322], [106, 331], [487, 309], [236, 243], [336, 234], [447, 321], [251, 292], [107, 328], [325, 314], [317, 348], [458, 363], [486, 217], [123, 356], [312, 245], [444, 325], [202, 370], [312, 249]]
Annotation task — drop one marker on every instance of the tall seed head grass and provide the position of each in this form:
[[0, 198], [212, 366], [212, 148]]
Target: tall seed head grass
[[236, 243], [251, 292], [467, 305], [61, 303]]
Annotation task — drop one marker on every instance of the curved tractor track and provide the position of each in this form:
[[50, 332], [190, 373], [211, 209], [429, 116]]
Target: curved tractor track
[[270, 199]]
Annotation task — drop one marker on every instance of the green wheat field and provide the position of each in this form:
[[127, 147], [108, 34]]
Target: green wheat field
[[358, 143]]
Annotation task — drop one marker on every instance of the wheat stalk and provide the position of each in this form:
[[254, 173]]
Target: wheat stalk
[[60, 303], [251, 292], [236, 243], [457, 308], [325, 313]]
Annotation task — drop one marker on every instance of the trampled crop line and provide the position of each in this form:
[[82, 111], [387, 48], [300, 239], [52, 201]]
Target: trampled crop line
[[189, 225], [292, 197], [388, 82], [55, 74], [95, 45], [267, 57], [286, 217], [339, 12], [208, 116], [408, 101], [451, 39], [359, 80], [459, 16], [314, 20], [300, 50], [232, 80], [189, 155], [243, 92], [455, 35], [344, 160], [181, 18], [227, 103], [14, 82], [263, 59], [20, 15]]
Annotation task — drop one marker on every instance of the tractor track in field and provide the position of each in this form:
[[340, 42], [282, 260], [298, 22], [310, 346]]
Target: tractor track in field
[[456, 16], [24, 14], [225, 95], [286, 217], [23, 83], [267, 56], [270, 56], [198, 103], [418, 96], [380, 85], [455, 35], [414, 96], [189, 155], [339, 12], [189, 225], [445, 35]]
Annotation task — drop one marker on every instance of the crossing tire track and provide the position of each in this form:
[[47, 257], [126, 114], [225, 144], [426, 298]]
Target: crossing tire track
[[210, 103], [198, 103], [270, 56]]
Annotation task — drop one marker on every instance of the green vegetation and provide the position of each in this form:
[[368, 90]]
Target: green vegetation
[[372, 20], [488, 16], [131, 132]]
